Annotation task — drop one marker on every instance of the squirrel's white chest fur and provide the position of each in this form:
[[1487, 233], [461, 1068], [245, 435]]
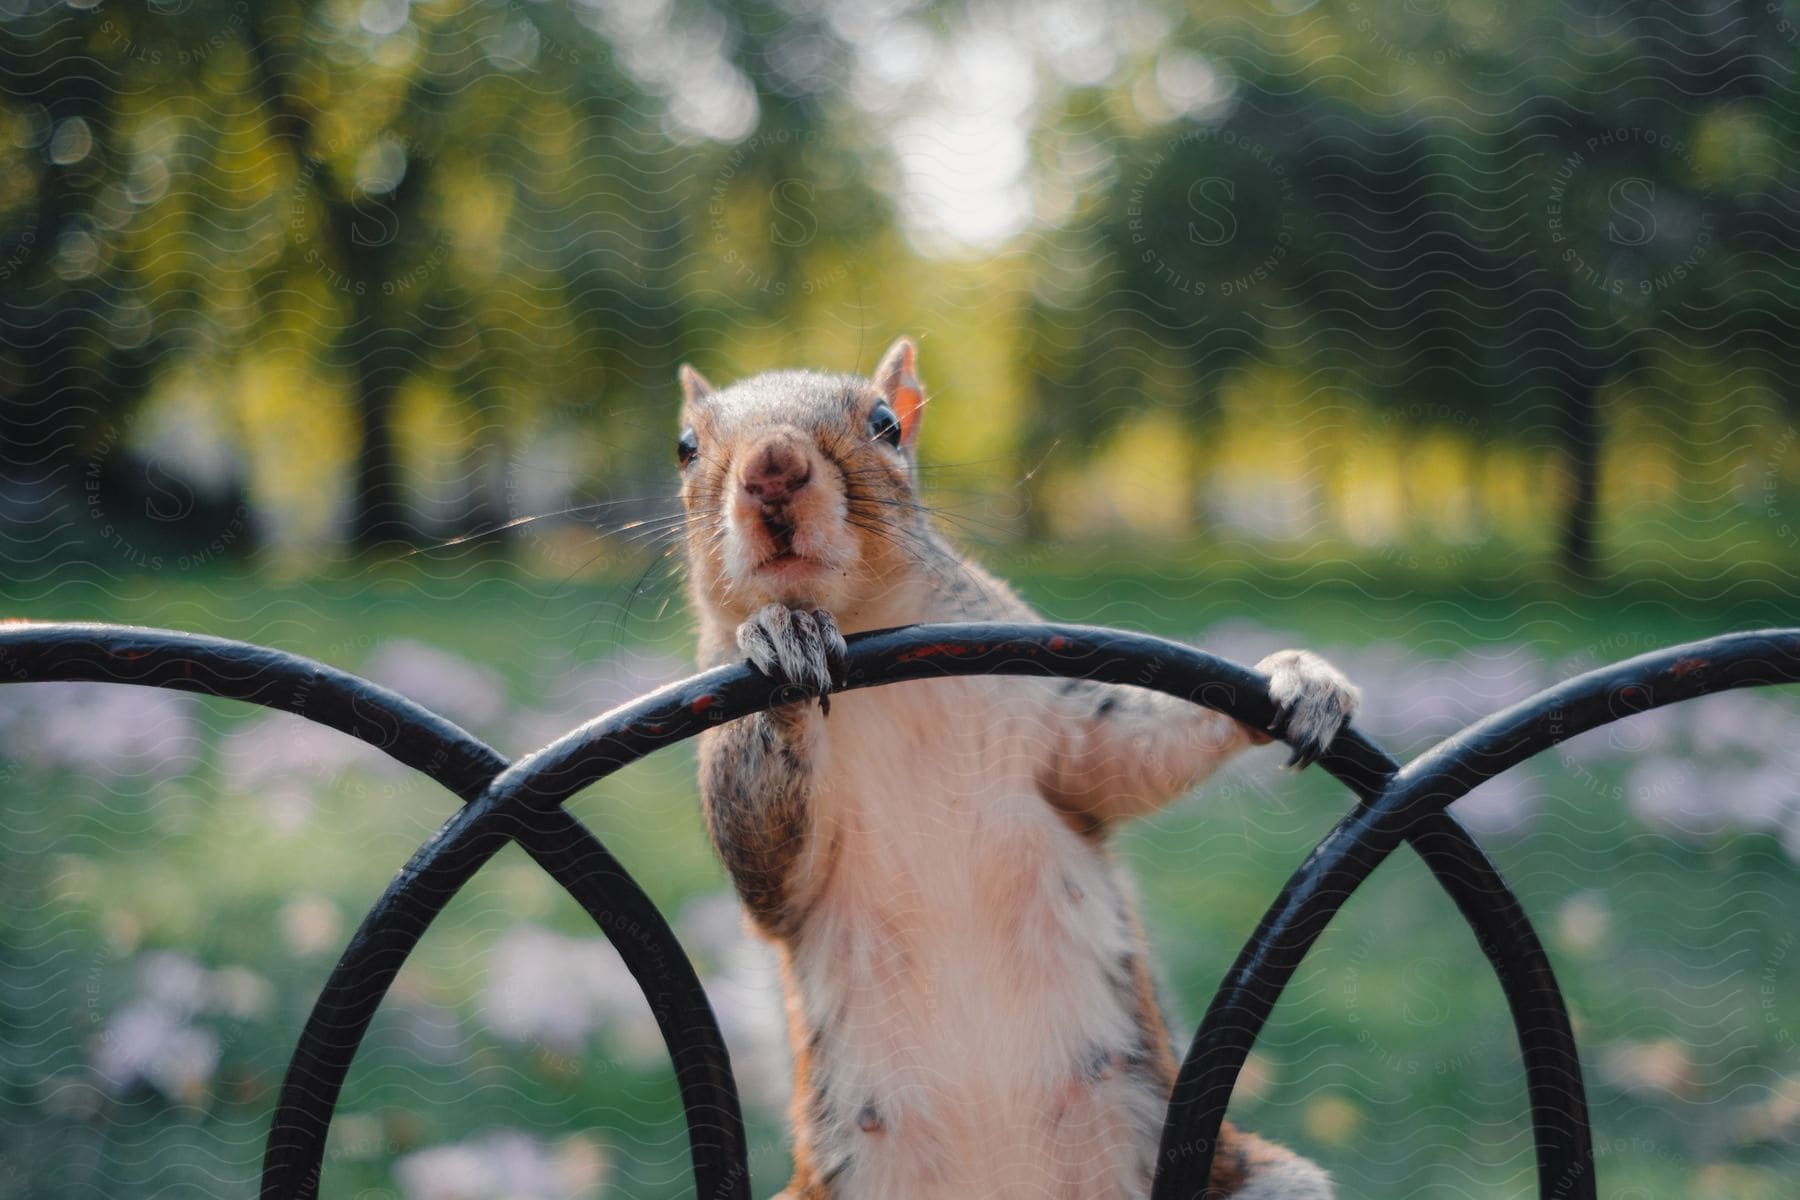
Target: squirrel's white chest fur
[[965, 961]]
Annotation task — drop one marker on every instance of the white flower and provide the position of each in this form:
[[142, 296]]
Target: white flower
[[579, 695], [467, 693], [1504, 805], [145, 1042], [311, 925], [155, 1039], [548, 988], [280, 751], [99, 728], [504, 1164]]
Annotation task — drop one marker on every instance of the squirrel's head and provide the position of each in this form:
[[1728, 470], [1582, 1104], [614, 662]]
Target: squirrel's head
[[799, 486]]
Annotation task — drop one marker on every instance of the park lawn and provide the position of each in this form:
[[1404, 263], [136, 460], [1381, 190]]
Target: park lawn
[[1391, 1057]]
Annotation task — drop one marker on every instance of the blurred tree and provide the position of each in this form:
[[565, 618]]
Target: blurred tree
[[1453, 209], [486, 210], [86, 313], [529, 212], [1657, 151], [794, 216], [374, 234]]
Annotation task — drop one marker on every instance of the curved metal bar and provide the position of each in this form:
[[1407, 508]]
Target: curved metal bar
[[1358, 844], [212, 666], [535, 786], [1561, 1129], [441, 750]]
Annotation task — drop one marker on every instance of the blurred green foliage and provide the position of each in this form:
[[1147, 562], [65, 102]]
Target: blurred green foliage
[[307, 275]]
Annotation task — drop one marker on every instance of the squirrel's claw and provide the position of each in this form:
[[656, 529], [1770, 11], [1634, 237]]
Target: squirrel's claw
[[1305, 754], [1313, 701], [837, 651], [802, 650]]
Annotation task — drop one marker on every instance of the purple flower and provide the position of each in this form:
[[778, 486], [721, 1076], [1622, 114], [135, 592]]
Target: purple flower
[[463, 691], [115, 729]]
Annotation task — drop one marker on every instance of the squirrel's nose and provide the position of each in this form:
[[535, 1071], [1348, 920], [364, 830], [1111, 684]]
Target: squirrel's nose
[[775, 470]]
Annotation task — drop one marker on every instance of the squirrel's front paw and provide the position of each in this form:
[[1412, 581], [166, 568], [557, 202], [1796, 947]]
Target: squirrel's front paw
[[1313, 701], [797, 647]]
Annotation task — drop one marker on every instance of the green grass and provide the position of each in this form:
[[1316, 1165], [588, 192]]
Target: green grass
[[1391, 1058]]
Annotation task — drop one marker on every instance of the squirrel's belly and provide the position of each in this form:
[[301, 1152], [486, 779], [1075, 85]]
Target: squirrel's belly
[[976, 1024]]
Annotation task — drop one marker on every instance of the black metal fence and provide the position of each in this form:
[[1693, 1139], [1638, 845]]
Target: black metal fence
[[522, 802]]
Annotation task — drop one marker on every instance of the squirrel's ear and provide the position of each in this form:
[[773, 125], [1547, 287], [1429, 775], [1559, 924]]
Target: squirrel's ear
[[898, 379], [694, 387]]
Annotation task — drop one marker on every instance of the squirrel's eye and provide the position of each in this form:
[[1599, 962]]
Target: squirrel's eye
[[687, 446], [884, 425]]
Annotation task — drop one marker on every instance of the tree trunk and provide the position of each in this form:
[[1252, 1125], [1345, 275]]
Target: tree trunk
[[378, 346], [378, 342], [379, 512], [1583, 440]]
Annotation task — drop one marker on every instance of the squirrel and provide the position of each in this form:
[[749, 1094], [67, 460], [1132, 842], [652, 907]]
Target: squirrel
[[967, 986]]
